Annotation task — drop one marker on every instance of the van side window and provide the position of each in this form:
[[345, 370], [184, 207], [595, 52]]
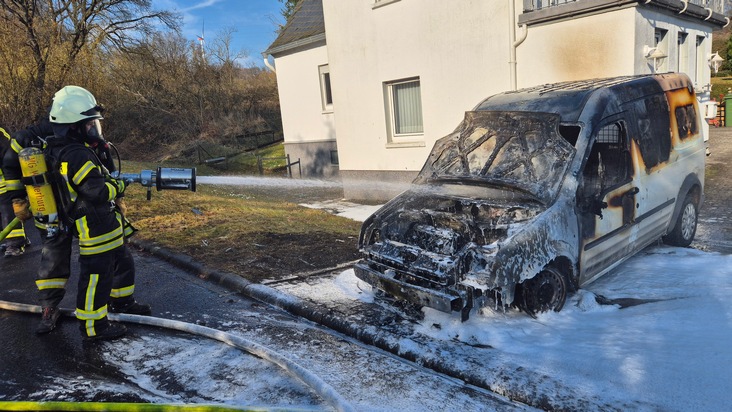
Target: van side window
[[653, 125], [686, 121], [609, 163]]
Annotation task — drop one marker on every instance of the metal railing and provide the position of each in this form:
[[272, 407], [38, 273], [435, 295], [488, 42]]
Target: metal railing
[[532, 5]]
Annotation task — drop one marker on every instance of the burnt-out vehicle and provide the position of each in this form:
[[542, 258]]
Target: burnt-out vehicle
[[541, 191]]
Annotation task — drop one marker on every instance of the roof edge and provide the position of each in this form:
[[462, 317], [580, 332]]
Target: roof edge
[[295, 44]]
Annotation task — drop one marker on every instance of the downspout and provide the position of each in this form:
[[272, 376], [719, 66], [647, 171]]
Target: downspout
[[514, 42], [265, 57]]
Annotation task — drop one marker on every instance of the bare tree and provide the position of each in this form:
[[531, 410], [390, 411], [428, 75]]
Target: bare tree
[[55, 32], [221, 48]]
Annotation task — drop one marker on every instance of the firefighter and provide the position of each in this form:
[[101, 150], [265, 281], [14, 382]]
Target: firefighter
[[16, 241], [55, 266], [91, 203]]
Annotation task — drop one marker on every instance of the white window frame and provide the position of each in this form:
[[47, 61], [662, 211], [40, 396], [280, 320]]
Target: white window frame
[[682, 57], [394, 137], [326, 89], [660, 36], [699, 61]]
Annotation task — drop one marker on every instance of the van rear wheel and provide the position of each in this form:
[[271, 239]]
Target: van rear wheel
[[685, 227], [544, 292]]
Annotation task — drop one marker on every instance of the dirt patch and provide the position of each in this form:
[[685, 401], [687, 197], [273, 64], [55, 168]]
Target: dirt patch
[[275, 256]]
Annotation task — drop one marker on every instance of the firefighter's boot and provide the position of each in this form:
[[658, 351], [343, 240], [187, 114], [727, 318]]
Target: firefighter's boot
[[112, 331], [48, 320], [131, 307]]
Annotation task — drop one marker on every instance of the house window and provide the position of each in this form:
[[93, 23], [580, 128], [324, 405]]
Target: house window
[[661, 42], [682, 62], [404, 108], [334, 157], [326, 93]]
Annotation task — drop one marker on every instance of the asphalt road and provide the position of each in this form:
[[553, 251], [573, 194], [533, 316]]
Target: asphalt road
[[162, 366]]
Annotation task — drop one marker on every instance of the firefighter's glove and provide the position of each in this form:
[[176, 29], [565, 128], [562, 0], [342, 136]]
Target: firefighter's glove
[[21, 208], [120, 185], [121, 206]]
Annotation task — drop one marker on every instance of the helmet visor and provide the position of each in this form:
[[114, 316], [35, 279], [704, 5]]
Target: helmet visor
[[95, 112]]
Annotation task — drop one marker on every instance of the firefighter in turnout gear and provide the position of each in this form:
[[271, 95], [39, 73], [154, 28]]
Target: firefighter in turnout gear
[[55, 266], [89, 197], [16, 241]]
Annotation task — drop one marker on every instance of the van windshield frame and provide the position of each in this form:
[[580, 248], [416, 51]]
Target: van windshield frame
[[518, 150]]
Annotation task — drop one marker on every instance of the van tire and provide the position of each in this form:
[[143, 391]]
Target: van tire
[[684, 228], [544, 292]]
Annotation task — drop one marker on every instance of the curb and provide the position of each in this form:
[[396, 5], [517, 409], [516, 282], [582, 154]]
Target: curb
[[502, 378]]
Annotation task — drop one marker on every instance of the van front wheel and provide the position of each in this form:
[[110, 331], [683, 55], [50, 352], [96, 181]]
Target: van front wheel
[[685, 227], [544, 292]]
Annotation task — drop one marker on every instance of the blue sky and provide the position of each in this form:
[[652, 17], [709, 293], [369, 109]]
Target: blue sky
[[256, 22]]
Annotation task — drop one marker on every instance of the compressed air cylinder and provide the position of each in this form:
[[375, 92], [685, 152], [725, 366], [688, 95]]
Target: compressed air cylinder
[[37, 185]]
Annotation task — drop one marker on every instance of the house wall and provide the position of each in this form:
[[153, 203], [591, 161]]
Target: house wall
[[309, 131], [594, 46], [459, 52]]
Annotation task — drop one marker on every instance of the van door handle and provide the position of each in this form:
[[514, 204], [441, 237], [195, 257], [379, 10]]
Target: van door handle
[[632, 192]]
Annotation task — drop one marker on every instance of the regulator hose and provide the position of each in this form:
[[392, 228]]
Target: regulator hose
[[324, 390]]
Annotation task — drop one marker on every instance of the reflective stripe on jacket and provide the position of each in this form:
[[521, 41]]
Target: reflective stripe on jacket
[[98, 226]]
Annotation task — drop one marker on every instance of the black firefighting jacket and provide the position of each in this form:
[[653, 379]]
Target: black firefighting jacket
[[90, 193]]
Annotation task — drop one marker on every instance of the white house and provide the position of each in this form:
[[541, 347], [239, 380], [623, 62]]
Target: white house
[[367, 86]]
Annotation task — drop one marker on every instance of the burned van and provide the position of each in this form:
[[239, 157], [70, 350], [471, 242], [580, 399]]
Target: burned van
[[541, 191]]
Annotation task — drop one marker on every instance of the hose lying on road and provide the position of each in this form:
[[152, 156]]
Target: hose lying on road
[[318, 385]]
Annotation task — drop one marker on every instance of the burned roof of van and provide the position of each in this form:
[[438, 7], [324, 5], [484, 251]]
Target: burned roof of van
[[569, 98]]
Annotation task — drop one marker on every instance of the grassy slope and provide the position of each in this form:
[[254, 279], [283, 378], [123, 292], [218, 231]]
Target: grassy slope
[[233, 228]]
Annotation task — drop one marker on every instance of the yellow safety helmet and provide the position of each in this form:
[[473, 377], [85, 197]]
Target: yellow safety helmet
[[73, 104]]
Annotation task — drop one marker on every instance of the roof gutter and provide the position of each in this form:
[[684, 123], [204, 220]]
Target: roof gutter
[[295, 44], [307, 41]]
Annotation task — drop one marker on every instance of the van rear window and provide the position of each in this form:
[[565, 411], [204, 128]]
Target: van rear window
[[686, 121]]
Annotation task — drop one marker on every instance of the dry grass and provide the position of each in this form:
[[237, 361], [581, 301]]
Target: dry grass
[[258, 235]]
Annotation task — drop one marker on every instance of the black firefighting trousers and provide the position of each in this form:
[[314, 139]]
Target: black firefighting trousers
[[105, 278]]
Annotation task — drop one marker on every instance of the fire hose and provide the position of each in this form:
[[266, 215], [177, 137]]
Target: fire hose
[[324, 390]]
